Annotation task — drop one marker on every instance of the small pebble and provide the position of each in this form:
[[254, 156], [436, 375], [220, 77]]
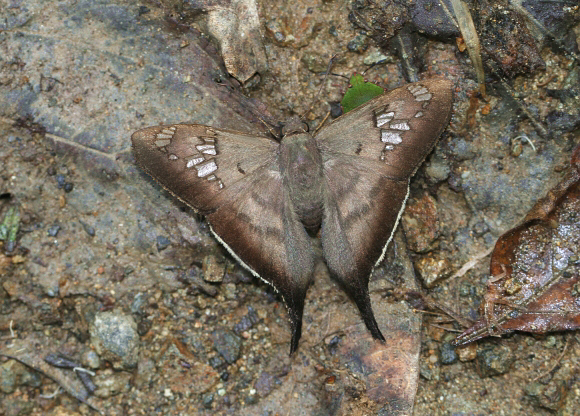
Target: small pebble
[[53, 230]]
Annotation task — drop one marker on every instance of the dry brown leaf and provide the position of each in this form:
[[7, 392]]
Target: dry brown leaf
[[535, 268]]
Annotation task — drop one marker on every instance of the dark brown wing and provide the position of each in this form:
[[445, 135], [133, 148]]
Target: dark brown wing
[[234, 180], [369, 156]]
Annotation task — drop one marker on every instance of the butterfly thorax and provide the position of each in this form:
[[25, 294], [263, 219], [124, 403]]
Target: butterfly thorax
[[294, 125], [301, 166]]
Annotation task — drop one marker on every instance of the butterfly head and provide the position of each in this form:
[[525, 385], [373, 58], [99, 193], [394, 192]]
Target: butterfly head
[[294, 126]]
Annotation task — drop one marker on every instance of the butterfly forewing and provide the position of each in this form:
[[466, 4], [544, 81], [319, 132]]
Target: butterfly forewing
[[198, 163], [398, 128], [368, 158]]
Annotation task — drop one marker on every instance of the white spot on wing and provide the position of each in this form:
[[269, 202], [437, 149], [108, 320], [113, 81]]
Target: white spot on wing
[[195, 160], [391, 137], [173, 157], [208, 149], [420, 90], [169, 132], [163, 136], [419, 114], [420, 93], [384, 118], [400, 125], [162, 143], [206, 168]]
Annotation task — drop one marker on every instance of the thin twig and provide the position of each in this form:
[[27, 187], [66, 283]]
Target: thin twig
[[445, 328], [52, 395], [321, 124], [557, 361], [471, 263]]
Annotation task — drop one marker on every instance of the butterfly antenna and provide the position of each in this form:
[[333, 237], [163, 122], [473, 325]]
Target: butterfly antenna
[[268, 126], [322, 123], [302, 117]]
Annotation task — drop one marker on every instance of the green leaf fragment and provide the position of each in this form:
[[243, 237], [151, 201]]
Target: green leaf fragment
[[10, 225], [359, 93]]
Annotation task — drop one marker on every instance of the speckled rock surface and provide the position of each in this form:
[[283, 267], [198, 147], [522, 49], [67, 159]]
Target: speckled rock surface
[[78, 77]]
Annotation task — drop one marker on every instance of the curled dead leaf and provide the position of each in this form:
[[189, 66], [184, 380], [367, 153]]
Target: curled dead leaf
[[535, 268]]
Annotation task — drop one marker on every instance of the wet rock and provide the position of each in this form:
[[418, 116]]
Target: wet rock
[[335, 109], [14, 374], [248, 321], [421, 224], [358, 44], [91, 359], [139, 302], [207, 400], [53, 230], [447, 354], [111, 383], [550, 397], [88, 228], [217, 362], [264, 384], [467, 352], [114, 336], [162, 242], [557, 21], [60, 180], [433, 269], [506, 39], [560, 122], [213, 271], [495, 360], [432, 18], [227, 344]]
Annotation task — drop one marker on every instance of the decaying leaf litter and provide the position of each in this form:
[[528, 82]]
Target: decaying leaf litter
[[455, 222], [535, 268]]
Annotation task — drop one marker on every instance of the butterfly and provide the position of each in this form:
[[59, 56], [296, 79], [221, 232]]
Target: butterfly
[[265, 197]]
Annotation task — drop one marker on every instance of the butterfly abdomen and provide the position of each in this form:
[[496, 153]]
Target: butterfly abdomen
[[301, 163]]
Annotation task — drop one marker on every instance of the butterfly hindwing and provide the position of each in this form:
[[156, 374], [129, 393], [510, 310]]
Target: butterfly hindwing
[[368, 158], [261, 229], [361, 209]]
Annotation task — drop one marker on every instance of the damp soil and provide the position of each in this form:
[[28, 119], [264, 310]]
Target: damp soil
[[98, 248]]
